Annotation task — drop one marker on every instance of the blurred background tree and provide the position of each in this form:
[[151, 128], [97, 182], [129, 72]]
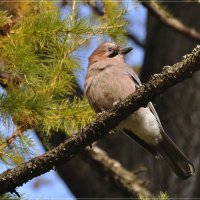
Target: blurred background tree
[[43, 48]]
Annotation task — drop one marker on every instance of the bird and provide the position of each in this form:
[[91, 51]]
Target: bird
[[109, 80]]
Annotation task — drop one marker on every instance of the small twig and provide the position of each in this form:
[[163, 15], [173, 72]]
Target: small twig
[[15, 192], [64, 3], [95, 8], [170, 21], [17, 133], [73, 14], [139, 170], [135, 39]]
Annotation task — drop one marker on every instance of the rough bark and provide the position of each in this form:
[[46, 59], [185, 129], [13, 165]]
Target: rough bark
[[179, 108]]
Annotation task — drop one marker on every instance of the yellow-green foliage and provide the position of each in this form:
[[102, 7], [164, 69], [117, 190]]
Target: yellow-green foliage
[[4, 19], [9, 196], [39, 49], [162, 196], [67, 116]]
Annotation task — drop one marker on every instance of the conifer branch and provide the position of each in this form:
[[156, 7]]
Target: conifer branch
[[159, 83], [170, 21], [7, 79], [73, 15], [6, 29], [134, 38], [125, 180], [101, 12], [95, 8], [6, 23], [17, 133]]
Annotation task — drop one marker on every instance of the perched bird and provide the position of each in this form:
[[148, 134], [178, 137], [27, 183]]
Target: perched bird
[[109, 79]]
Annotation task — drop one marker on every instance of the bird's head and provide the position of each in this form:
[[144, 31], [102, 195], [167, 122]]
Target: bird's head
[[109, 50]]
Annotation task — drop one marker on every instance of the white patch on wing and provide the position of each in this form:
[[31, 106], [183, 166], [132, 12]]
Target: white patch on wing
[[143, 124]]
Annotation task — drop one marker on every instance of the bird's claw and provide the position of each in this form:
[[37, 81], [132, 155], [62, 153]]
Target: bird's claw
[[100, 114], [116, 103]]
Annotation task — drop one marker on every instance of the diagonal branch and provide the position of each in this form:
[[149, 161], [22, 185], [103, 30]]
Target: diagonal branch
[[170, 76], [170, 21], [125, 180], [135, 39], [17, 133], [97, 10]]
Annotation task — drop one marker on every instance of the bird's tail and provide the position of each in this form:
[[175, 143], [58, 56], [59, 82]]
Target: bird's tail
[[175, 157]]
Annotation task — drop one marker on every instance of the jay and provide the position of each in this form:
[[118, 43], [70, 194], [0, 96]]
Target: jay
[[109, 79]]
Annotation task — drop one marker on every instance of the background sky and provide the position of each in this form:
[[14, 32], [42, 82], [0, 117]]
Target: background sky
[[50, 185]]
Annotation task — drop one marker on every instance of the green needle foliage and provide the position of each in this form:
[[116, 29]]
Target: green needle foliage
[[4, 19], [162, 196], [11, 197], [40, 49]]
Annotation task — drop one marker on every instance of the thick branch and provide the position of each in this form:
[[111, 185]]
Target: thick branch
[[170, 76], [125, 180], [170, 21]]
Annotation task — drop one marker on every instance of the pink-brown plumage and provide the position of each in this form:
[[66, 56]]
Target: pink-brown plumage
[[109, 79]]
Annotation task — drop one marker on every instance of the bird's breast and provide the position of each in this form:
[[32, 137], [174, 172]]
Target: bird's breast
[[107, 86], [143, 124]]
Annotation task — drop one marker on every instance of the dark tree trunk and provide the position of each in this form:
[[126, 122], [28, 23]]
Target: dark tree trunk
[[178, 108]]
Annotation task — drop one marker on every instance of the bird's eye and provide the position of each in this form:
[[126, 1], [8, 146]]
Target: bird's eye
[[110, 49], [112, 52]]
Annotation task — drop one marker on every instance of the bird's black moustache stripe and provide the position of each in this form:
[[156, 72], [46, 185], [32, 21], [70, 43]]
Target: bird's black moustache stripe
[[113, 54]]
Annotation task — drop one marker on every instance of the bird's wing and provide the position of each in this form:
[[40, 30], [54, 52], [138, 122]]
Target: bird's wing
[[150, 105], [133, 76], [176, 159]]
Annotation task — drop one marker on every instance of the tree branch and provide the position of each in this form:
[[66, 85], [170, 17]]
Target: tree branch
[[17, 133], [101, 12], [7, 79], [135, 39], [5, 30], [170, 76], [170, 21], [95, 8], [125, 180]]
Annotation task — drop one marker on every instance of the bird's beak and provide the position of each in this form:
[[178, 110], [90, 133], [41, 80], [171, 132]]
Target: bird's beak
[[124, 51]]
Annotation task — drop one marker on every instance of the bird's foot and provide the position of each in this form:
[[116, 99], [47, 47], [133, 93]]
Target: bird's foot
[[116, 103]]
